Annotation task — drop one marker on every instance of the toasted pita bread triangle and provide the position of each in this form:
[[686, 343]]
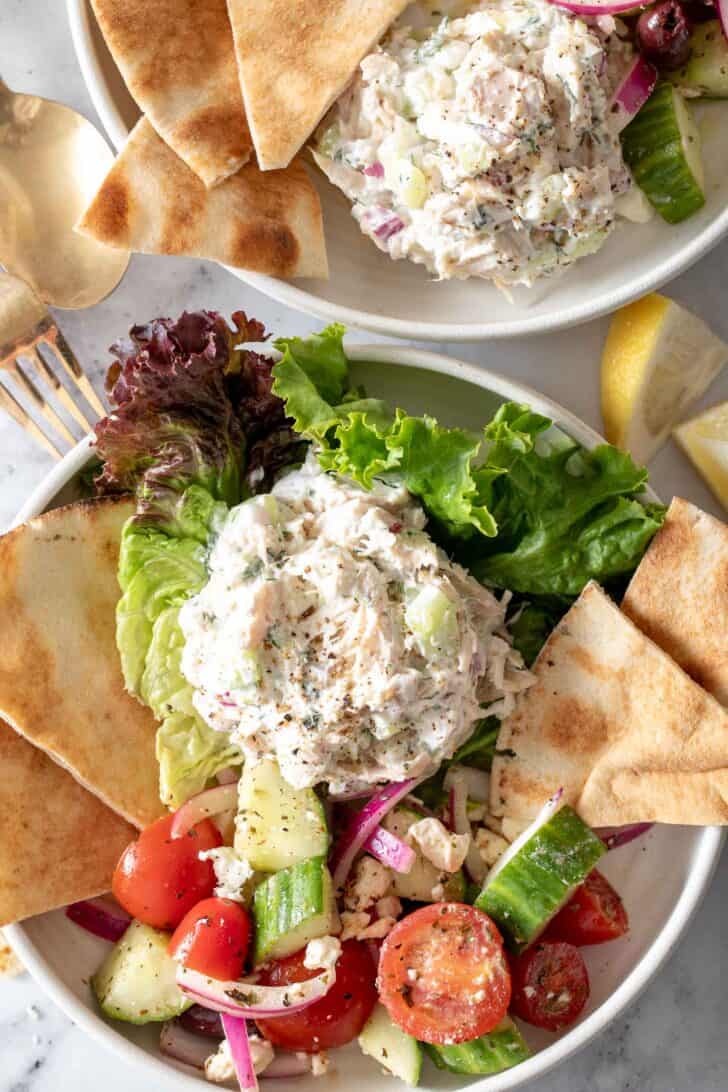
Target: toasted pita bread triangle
[[60, 677], [618, 724], [295, 58], [178, 61], [151, 202], [679, 594], [59, 843]]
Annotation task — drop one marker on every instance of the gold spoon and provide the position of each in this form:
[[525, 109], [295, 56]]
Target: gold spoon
[[51, 162]]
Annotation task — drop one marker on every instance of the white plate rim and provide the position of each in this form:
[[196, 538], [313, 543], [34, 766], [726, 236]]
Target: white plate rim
[[694, 890], [298, 298]]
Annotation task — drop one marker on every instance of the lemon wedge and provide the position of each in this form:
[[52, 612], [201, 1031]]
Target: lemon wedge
[[657, 360], [705, 441]]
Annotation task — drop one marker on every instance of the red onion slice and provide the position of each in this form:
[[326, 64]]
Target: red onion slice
[[207, 803], [353, 794], [250, 1000], [363, 825], [595, 7], [614, 837], [475, 866], [229, 776], [477, 782], [182, 1045], [102, 916], [376, 170], [634, 90], [390, 850], [389, 227], [722, 9], [288, 1065], [236, 1033]]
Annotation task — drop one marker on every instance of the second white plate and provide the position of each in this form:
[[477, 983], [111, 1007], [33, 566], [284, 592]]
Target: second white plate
[[368, 290]]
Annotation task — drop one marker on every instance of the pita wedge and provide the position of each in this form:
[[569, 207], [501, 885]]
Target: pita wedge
[[178, 61], [295, 58], [679, 594], [60, 678], [618, 724], [59, 843], [10, 965], [151, 202]]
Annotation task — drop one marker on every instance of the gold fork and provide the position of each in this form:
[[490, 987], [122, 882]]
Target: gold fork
[[25, 326]]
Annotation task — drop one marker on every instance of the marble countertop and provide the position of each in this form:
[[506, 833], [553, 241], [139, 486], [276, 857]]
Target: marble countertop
[[673, 1039]]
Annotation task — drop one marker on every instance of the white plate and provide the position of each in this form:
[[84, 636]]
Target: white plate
[[662, 877], [368, 290]]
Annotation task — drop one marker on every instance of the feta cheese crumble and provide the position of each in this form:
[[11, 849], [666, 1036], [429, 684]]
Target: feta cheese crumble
[[323, 952], [445, 850], [219, 1067], [232, 872]]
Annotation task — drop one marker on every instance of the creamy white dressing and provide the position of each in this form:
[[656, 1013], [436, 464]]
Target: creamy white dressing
[[335, 637], [482, 143]]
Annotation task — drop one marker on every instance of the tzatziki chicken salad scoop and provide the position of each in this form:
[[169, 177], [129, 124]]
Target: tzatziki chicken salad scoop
[[345, 707]]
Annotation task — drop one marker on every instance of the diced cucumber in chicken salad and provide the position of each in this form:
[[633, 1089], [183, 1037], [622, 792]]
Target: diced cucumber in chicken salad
[[505, 139], [330, 605]]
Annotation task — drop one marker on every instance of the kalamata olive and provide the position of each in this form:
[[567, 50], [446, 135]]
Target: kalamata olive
[[664, 34], [700, 11], [202, 1021]]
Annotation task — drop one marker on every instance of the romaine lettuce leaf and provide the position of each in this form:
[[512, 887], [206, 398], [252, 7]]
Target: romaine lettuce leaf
[[565, 515], [523, 505], [189, 752], [531, 624], [361, 438]]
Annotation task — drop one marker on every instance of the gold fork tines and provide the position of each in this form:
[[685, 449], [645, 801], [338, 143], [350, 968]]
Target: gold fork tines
[[14, 409], [26, 327]]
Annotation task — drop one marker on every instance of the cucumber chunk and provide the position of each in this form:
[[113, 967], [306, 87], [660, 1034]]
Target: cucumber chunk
[[541, 878], [423, 877], [706, 73], [277, 826], [433, 619], [293, 907], [137, 980], [394, 1049], [500, 1049], [661, 145]]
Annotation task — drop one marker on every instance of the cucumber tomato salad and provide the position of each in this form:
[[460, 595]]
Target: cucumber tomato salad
[[329, 604], [505, 139]]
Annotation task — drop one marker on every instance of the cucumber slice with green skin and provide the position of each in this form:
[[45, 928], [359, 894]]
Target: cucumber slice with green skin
[[399, 1053], [500, 1049], [541, 878], [661, 145], [277, 826], [292, 907], [419, 883], [706, 73], [137, 980]]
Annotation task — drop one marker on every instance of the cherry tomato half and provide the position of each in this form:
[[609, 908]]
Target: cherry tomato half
[[594, 914], [213, 938], [443, 975], [159, 878], [550, 985], [339, 1016]]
